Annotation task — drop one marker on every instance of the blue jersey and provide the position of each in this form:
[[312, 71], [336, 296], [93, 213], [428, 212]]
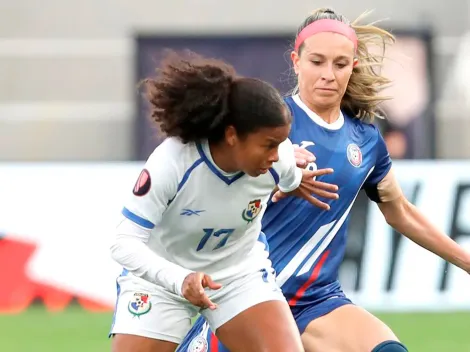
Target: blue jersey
[[307, 244]]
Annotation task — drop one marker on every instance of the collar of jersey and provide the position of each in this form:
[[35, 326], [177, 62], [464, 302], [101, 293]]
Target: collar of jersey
[[204, 152], [317, 119]]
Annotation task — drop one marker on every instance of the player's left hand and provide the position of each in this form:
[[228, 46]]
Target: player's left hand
[[193, 289], [309, 186]]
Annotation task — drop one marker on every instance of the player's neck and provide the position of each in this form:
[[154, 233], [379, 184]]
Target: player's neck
[[329, 114], [219, 154]]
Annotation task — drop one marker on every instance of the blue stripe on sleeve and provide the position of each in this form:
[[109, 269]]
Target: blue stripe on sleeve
[[137, 219]]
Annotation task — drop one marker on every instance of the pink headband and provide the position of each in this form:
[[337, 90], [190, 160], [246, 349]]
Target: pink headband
[[326, 25]]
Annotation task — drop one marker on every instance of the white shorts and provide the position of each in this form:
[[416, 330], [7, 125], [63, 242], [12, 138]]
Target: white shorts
[[148, 310]]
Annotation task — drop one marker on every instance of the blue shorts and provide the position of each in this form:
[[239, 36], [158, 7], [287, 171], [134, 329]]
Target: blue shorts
[[304, 314], [201, 338]]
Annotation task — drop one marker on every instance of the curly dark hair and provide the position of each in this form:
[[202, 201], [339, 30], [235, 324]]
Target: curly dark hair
[[196, 98]]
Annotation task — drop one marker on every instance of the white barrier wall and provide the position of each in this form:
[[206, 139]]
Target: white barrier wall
[[69, 212]]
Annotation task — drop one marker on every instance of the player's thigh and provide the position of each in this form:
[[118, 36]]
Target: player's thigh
[[348, 328], [253, 315], [148, 318], [267, 326], [133, 343]]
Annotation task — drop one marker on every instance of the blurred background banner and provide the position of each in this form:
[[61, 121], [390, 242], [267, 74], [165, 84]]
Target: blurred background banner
[[410, 125]]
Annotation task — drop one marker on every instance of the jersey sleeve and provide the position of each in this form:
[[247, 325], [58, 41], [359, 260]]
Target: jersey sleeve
[[290, 175], [153, 191], [155, 187], [383, 165]]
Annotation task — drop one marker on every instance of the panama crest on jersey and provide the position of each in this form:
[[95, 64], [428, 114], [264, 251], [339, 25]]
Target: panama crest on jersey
[[139, 304], [354, 155], [198, 344], [252, 210]]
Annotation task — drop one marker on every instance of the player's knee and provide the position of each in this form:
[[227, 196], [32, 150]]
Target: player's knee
[[390, 346]]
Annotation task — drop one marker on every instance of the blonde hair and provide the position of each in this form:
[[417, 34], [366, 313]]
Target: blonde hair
[[362, 97]]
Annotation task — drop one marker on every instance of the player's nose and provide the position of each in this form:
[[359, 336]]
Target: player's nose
[[273, 156], [328, 73]]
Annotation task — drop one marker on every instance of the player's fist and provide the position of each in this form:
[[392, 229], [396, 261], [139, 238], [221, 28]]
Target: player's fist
[[193, 289], [303, 157]]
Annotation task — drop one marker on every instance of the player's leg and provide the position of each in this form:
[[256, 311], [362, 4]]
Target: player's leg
[[267, 326], [128, 343], [253, 315], [147, 318], [348, 328]]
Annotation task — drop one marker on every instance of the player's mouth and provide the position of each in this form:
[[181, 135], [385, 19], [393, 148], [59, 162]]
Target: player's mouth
[[264, 170], [327, 89]]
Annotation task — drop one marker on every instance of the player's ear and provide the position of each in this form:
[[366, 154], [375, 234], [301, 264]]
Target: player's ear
[[295, 61], [231, 135]]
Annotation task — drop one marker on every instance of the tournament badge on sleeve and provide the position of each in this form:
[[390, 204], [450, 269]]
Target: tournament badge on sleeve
[[139, 304], [252, 211], [143, 184]]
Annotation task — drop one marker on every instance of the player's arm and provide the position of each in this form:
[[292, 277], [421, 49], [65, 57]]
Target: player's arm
[[409, 221], [290, 175], [383, 188], [153, 190]]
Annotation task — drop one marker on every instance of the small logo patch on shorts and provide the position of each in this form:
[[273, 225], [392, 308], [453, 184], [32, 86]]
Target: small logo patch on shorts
[[139, 304], [199, 344]]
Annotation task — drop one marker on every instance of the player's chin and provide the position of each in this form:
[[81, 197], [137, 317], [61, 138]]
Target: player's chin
[[326, 101], [257, 172]]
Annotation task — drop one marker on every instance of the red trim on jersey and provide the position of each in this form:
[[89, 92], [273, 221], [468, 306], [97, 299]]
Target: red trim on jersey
[[214, 343], [315, 273]]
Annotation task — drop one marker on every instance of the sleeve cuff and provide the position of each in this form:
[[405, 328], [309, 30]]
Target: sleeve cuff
[[295, 184]]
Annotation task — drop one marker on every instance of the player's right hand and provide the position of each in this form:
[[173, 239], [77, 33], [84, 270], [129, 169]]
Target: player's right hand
[[310, 186], [193, 289]]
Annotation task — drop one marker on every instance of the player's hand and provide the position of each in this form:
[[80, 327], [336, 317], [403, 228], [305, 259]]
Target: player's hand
[[310, 186], [193, 289], [303, 157]]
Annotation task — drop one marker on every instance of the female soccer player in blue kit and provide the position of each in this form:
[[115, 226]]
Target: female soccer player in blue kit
[[338, 91]]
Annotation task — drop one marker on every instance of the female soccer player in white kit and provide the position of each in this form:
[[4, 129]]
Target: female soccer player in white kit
[[189, 237]]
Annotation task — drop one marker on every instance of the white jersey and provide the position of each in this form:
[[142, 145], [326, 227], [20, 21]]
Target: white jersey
[[200, 218]]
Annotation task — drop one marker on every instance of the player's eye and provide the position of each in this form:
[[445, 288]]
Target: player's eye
[[271, 146], [341, 65], [316, 62]]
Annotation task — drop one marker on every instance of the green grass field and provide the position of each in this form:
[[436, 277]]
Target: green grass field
[[78, 331]]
